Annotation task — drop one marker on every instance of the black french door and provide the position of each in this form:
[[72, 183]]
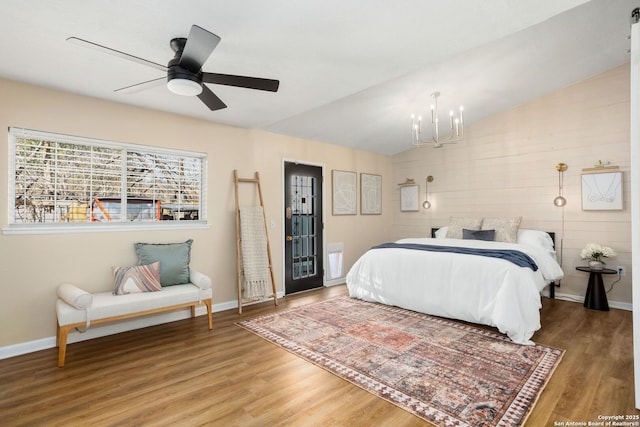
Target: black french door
[[303, 227]]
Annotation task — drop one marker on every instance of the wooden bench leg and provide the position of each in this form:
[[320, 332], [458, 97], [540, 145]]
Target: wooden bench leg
[[207, 302], [57, 333], [61, 338]]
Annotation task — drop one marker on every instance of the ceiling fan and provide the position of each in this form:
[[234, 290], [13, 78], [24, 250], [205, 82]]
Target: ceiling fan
[[184, 71]]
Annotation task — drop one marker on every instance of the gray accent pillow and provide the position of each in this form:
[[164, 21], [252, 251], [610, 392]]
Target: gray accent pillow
[[488, 235], [456, 224], [174, 260], [506, 228]]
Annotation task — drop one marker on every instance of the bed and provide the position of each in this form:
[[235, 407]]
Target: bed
[[467, 286]]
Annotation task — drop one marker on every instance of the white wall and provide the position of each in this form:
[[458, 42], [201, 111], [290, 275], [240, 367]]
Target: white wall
[[505, 166]]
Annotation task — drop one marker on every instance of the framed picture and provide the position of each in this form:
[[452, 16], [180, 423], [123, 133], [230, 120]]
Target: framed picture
[[602, 191], [344, 198], [370, 194], [409, 198]]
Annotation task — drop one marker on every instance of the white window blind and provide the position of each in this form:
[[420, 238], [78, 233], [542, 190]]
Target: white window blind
[[58, 179]]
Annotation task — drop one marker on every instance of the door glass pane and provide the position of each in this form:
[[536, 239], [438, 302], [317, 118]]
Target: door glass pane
[[296, 270], [295, 225], [303, 222], [296, 247]]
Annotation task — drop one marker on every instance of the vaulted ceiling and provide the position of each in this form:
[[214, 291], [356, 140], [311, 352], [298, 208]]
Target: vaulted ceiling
[[351, 72]]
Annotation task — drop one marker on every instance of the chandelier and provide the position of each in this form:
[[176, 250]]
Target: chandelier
[[456, 127]]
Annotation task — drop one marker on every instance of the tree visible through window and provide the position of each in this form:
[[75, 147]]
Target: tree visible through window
[[64, 179]]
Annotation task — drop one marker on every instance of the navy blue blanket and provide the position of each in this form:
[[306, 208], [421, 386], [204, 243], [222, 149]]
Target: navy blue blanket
[[518, 258]]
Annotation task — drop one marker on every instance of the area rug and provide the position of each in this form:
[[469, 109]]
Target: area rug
[[445, 372]]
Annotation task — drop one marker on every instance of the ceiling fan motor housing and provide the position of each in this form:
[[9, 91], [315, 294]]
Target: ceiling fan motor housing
[[177, 72], [181, 80]]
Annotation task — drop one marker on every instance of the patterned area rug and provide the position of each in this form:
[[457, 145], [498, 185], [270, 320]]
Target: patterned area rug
[[445, 372]]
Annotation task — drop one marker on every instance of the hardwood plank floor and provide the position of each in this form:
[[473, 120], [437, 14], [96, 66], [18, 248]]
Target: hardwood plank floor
[[182, 374]]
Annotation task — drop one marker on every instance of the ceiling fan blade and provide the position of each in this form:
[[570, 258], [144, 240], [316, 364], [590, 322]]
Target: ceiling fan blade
[[198, 48], [114, 52], [241, 81], [211, 100], [142, 86]]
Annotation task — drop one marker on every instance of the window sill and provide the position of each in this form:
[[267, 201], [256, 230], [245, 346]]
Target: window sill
[[101, 227]]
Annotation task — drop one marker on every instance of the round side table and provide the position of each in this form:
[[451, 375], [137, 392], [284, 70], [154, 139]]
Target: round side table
[[596, 297]]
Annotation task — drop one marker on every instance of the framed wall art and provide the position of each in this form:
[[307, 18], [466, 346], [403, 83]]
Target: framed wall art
[[370, 194], [344, 198], [602, 191], [409, 198]]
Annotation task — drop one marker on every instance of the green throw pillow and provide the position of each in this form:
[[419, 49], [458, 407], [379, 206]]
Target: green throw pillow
[[173, 257]]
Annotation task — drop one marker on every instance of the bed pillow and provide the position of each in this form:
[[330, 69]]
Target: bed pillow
[[456, 224], [174, 260], [441, 232], [132, 280], [506, 228], [488, 235], [536, 238]]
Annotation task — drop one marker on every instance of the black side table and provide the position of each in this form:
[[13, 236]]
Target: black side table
[[596, 297]]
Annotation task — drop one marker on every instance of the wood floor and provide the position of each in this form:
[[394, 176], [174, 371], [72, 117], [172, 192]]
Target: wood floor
[[182, 374]]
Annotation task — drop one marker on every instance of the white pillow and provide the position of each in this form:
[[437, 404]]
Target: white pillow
[[441, 232], [536, 238]]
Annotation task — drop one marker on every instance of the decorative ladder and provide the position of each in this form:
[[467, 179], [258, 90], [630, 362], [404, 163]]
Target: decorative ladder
[[243, 301]]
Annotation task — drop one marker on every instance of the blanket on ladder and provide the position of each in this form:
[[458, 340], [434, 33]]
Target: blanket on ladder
[[253, 244]]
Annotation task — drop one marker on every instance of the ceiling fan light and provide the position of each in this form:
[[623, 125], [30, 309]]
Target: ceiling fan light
[[184, 87]]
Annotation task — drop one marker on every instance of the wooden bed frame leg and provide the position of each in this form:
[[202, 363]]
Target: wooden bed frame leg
[[61, 341]]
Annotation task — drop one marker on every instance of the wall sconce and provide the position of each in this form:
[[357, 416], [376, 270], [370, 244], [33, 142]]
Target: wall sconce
[[560, 201], [427, 203]]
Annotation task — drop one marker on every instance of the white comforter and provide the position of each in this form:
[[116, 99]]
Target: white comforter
[[472, 288]]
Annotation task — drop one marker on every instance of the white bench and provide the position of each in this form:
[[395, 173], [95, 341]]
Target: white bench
[[76, 308]]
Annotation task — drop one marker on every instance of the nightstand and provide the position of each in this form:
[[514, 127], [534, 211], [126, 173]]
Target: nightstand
[[596, 297]]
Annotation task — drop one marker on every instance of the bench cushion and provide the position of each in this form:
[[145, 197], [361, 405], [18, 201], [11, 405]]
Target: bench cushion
[[106, 305]]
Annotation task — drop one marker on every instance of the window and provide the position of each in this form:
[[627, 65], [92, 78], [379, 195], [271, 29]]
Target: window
[[69, 181]]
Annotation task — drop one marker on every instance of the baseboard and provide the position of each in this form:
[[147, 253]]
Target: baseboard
[[113, 328], [580, 299], [27, 347], [334, 282]]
